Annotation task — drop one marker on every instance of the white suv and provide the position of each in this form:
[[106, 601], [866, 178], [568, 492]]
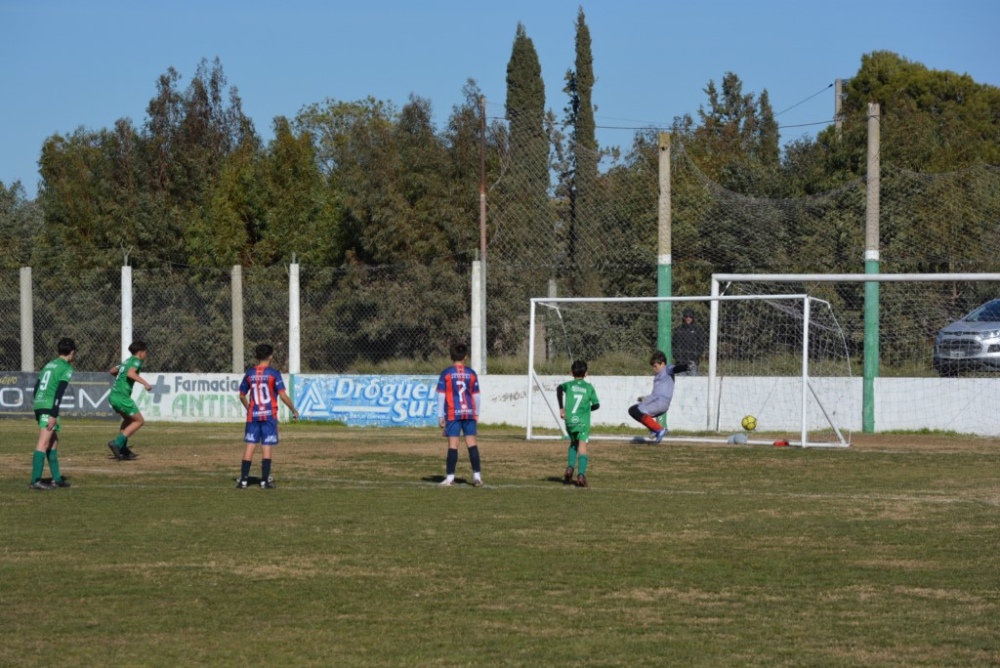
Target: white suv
[[970, 344]]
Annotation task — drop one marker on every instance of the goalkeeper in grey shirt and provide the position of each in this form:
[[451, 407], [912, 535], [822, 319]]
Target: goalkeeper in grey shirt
[[657, 402]]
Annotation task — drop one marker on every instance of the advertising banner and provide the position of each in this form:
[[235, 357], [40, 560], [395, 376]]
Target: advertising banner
[[190, 397], [86, 396], [368, 401]]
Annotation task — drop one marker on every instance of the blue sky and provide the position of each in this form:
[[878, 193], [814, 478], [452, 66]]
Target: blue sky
[[66, 64]]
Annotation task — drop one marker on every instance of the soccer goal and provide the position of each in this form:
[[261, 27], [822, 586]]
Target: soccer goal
[[926, 347], [782, 358]]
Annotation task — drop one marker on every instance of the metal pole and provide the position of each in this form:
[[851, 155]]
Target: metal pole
[[805, 370], [713, 358], [126, 332], [664, 283], [236, 288], [476, 347], [482, 228], [294, 323], [531, 366], [871, 346], [27, 322]]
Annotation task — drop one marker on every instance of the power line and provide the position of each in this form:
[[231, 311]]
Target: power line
[[825, 88], [665, 127], [633, 128], [803, 125], [626, 127]]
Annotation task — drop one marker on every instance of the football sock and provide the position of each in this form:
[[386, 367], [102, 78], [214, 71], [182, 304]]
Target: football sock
[[245, 469], [650, 422], [37, 464], [451, 462], [583, 465], [120, 440], [265, 469], [53, 457], [473, 458], [571, 456]]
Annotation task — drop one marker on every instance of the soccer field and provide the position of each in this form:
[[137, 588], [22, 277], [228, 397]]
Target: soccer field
[[882, 554]]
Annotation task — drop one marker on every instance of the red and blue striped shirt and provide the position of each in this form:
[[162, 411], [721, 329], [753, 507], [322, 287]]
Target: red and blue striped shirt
[[458, 393], [262, 385]]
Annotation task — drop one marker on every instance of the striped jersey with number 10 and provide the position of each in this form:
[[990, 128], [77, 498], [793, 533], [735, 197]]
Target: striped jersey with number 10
[[261, 385]]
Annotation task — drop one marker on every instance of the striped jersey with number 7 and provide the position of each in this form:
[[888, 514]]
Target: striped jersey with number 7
[[460, 386]]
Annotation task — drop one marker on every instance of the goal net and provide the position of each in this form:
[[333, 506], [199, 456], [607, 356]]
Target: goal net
[[926, 347], [781, 358]]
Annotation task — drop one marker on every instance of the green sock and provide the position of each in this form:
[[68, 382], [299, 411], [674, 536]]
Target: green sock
[[120, 440], [53, 457], [571, 456], [36, 465], [583, 464]]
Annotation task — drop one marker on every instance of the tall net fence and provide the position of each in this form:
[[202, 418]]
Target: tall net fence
[[10, 327], [598, 241], [911, 315], [84, 305], [606, 246], [351, 320]]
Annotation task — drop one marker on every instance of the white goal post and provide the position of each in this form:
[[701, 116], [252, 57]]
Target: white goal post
[[762, 352]]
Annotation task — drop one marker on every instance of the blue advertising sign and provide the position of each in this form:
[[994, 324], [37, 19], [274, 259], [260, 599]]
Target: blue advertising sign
[[368, 401]]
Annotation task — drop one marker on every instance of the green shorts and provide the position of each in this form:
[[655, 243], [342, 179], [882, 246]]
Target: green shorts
[[124, 407], [578, 434], [42, 418]]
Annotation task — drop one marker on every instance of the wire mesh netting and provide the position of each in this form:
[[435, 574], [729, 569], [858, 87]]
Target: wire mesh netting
[[401, 317]]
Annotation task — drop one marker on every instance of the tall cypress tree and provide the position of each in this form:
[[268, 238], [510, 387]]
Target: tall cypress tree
[[524, 235], [584, 223]]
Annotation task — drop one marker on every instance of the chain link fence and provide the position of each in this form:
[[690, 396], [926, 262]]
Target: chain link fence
[[355, 320], [401, 318]]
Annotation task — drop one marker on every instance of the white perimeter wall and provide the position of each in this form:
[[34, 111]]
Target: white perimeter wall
[[960, 405]]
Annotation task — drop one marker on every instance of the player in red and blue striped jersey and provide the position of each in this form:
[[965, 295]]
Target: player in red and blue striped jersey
[[458, 412], [260, 390]]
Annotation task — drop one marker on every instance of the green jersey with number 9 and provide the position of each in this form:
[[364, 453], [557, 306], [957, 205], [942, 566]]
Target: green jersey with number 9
[[47, 390]]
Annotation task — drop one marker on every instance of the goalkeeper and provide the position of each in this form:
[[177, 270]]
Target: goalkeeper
[[656, 403]]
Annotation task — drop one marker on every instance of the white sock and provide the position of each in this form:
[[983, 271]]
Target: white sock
[[476, 475]]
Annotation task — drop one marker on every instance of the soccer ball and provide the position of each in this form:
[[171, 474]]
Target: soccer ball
[[749, 422]]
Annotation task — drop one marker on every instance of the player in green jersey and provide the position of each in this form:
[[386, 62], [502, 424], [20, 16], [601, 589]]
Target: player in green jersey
[[126, 376], [580, 399], [52, 382]]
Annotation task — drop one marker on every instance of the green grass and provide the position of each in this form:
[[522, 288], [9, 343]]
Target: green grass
[[884, 554]]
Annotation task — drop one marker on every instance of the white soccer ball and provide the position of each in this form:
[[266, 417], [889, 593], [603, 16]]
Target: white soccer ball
[[749, 422]]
